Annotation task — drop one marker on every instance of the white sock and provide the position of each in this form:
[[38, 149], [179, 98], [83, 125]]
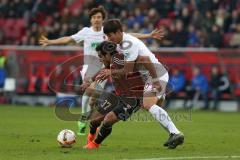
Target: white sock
[[162, 116], [85, 104]]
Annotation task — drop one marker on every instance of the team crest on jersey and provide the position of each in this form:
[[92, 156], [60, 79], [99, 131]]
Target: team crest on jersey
[[118, 61], [126, 54], [128, 106], [94, 44]]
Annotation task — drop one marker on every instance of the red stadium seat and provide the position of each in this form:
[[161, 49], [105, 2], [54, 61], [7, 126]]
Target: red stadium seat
[[13, 28], [76, 5], [227, 38], [164, 22], [32, 82]]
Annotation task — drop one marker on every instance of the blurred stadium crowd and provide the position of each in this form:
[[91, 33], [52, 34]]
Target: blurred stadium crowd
[[205, 80], [194, 23], [187, 23]]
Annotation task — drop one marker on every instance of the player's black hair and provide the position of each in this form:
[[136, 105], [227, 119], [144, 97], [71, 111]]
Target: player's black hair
[[112, 26], [107, 47], [99, 9]]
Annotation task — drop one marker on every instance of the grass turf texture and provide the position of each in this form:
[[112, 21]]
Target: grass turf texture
[[29, 133]]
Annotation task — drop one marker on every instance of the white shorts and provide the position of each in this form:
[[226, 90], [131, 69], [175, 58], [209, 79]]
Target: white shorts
[[99, 86], [83, 71], [163, 80], [90, 71]]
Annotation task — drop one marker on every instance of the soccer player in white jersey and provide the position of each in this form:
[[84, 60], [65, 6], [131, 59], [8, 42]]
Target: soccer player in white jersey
[[91, 36], [134, 51]]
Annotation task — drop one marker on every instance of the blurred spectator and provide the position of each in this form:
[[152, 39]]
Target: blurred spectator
[[208, 21], [1, 37], [235, 41], [177, 83], [237, 91], [153, 17], [197, 19], [204, 5], [202, 36], [11, 65], [193, 39], [178, 6], [180, 35], [185, 16], [231, 22], [215, 37], [75, 20], [164, 8], [2, 69], [58, 17], [139, 17], [220, 17], [218, 84], [149, 29], [169, 34], [65, 16], [198, 88]]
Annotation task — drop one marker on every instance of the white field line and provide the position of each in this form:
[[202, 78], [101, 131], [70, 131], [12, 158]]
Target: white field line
[[196, 157]]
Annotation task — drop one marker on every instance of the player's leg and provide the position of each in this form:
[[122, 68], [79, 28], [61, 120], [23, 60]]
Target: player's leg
[[90, 95], [175, 137], [86, 108], [123, 110], [105, 130], [106, 127], [150, 102], [105, 104], [82, 123], [95, 121], [100, 109]]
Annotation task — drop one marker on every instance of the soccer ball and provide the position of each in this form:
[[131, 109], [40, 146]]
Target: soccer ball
[[66, 138]]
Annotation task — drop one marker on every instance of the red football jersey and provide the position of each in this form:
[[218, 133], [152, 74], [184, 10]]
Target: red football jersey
[[130, 85]]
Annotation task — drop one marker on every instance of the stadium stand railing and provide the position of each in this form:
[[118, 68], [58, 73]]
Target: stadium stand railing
[[35, 64]]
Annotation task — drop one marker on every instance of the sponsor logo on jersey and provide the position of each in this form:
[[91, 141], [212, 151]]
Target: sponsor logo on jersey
[[118, 61], [95, 44]]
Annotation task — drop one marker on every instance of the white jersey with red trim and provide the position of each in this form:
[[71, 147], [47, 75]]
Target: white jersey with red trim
[[132, 47], [91, 39]]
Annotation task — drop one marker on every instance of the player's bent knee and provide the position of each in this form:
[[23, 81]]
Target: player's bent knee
[[96, 116], [96, 123], [160, 102], [148, 102], [110, 119]]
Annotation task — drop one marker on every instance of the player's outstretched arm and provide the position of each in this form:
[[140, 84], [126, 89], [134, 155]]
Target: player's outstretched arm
[[156, 34], [44, 41]]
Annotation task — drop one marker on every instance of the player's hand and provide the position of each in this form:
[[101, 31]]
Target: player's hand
[[44, 41], [157, 86], [84, 86], [157, 34], [104, 74]]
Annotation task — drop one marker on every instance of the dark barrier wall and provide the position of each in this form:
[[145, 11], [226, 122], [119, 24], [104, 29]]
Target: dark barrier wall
[[32, 66]]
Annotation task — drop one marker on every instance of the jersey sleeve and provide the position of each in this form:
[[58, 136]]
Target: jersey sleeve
[[131, 52], [80, 35]]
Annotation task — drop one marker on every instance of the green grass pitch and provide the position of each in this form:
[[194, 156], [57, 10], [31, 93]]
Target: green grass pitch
[[29, 133]]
